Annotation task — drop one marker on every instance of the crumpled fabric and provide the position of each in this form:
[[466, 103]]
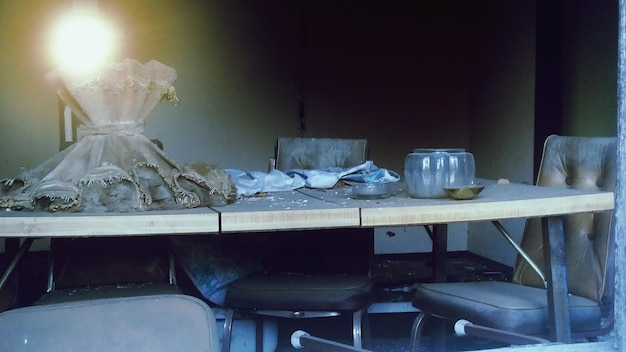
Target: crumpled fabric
[[113, 167], [253, 182], [212, 262]]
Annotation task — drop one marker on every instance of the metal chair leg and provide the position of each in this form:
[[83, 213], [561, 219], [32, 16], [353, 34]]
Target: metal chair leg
[[465, 328], [416, 331], [302, 339], [259, 328], [360, 328], [229, 315]]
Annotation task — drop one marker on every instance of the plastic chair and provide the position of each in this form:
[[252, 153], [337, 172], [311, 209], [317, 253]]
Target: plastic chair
[[132, 324], [517, 312], [305, 295]]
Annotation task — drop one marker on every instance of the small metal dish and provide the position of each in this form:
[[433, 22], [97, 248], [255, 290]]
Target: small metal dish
[[371, 190], [464, 192]]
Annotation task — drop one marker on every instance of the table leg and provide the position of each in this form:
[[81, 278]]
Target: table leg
[[554, 256], [11, 246], [16, 260], [440, 252]]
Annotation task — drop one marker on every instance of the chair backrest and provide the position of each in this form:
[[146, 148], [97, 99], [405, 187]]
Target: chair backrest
[[81, 262], [132, 324], [587, 163], [319, 153]]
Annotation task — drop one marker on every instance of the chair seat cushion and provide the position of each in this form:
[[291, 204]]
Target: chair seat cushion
[[170, 322], [502, 305], [300, 292]]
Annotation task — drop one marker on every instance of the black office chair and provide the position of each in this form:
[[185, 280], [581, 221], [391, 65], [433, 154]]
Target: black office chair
[[306, 295], [172, 322], [517, 312]]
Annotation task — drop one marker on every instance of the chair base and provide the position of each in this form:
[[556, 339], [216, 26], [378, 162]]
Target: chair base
[[248, 333], [466, 328], [301, 339], [360, 324]]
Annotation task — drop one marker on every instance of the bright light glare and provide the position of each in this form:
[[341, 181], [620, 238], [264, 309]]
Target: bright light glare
[[82, 42]]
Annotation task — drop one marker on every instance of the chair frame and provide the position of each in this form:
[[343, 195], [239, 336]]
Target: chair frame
[[463, 327], [360, 324], [106, 290]]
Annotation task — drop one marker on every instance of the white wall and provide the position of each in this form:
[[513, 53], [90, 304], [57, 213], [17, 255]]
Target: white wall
[[415, 239], [590, 68], [28, 107], [502, 109], [396, 75]]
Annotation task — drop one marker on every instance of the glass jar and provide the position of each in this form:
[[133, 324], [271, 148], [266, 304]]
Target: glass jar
[[428, 171]]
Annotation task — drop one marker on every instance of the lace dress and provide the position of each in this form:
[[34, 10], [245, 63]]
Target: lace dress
[[113, 167]]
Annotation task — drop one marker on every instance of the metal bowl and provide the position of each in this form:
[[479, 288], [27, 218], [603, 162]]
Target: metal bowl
[[371, 190], [464, 192]]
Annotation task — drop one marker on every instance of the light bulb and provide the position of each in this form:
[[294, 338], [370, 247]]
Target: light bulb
[[82, 42]]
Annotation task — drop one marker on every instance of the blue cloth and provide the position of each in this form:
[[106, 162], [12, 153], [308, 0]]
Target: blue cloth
[[212, 263]]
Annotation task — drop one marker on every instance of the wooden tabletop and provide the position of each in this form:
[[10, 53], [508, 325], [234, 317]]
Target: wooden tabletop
[[45, 224], [312, 209], [495, 202], [286, 210]]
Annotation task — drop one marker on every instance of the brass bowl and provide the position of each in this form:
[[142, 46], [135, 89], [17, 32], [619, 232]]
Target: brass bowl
[[464, 192]]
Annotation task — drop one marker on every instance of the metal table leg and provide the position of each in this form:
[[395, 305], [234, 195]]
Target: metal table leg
[[439, 236], [558, 300], [16, 260]]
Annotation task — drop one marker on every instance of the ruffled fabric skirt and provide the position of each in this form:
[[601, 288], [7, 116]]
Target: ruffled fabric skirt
[[115, 173]]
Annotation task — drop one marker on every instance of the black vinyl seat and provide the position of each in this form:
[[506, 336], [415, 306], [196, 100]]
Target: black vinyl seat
[[300, 292], [507, 306]]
